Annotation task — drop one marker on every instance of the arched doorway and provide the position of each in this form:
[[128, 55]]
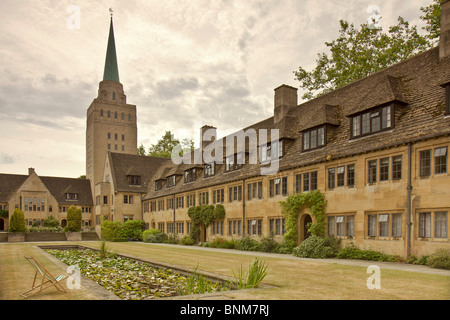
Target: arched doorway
[[303, 232], [63, 223], [2, 224]]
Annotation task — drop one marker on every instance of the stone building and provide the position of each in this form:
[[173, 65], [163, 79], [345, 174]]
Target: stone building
[[41, 197], [376, 148]]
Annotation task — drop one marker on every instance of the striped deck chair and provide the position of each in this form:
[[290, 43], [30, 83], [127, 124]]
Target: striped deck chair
[[47, 279]]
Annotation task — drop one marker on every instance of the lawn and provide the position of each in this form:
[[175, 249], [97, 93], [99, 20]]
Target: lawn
[[288, 278]]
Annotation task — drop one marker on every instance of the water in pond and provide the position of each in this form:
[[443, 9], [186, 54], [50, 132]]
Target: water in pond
[[134, 280]]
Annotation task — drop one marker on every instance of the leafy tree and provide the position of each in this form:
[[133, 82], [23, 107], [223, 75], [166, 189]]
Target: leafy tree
[[357, 53], [73, 219], [17, 221], [165, 145]]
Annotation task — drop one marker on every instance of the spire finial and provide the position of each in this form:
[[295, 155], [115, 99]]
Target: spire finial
[[111, 12]]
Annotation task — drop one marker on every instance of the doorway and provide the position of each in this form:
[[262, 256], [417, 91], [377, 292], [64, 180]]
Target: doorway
[[303, 232], [2, 224]]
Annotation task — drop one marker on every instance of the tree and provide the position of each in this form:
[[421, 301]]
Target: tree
[[357, 53], [73, 219], [17, 221], [165, 145]]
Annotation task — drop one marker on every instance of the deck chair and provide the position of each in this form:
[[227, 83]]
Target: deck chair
[[47, 279]]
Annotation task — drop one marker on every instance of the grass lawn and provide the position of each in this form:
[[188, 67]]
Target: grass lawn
[[290, 278]]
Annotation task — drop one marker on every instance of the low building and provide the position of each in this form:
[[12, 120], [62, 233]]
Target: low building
[[41, 197]]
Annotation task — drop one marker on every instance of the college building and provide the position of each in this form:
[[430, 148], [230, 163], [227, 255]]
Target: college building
[[376, 148]]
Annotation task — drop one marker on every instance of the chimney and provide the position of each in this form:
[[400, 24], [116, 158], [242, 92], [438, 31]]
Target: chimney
[[285, 98], [208, 135], [30, 171], [444, 39]]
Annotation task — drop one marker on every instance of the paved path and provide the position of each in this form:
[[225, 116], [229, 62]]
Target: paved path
[[400, 266]]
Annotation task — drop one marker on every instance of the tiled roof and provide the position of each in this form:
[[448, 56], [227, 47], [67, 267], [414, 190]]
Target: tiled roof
[[9, 183], [124, 165], [414, 85]]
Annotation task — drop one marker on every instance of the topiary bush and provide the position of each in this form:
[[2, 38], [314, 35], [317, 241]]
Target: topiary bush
[[51, 222], [131, 230], [73, 219], [248, 244], [439, 259], [316, 247], [17, 221], [154, 236]]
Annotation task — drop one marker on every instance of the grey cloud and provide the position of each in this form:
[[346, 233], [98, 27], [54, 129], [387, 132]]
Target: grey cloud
[[170, 89], [6, 158]]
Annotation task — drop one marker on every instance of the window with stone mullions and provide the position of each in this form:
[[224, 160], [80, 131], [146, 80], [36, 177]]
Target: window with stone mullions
[[384, 169], [314, 138], [371, 121], [440, 160]]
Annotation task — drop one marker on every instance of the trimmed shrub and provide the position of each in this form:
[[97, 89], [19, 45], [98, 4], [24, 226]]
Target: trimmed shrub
[[268, 244], [51, 222], [154, 236], [316, 247], [222, 243], [352, 252], [17, 221], [187, 240], [73, 219], [439, 259], [111, 229], [131, 230], [248, 244]]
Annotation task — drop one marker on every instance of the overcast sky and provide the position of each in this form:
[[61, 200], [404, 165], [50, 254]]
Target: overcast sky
[[182, 63]]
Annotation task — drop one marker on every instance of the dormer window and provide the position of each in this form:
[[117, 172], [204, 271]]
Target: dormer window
[[134, 180], [190, 175], [209, 170], [158, 185], [170, 181], [234, 161], [372, 121], [71, 196], [314, 138], [269, 151]]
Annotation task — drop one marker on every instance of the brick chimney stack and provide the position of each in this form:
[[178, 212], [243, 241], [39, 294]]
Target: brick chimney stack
[[30, 171], [285, 98], [444, 40]]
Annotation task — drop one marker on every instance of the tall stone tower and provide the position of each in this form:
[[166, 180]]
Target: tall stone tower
[[111, 122]]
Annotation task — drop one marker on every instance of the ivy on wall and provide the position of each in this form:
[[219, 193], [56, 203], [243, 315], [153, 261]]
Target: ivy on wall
[[4, 214], [203, 215], [315, 201]]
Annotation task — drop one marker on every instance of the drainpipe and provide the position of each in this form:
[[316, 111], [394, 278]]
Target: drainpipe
[[173, 205], [243, 207], [409, 190]]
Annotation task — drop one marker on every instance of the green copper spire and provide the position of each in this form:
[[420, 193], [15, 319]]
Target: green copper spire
[[111, 70]]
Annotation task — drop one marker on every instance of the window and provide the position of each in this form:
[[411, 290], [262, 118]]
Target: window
[[254, 227], [234, 227], [218, 196], [169, 203], [384, 169], [331, 178], [447, 98], [217, 227], [440, 160], [235, 193], [440, 224], [341, 226], [340, 176], [278, 186], [190, 175], [424, 224], [383, 224], [208, 170], [254, 190], [350, 175], [425, 163], [170, 181], [152, 206], [234, 162], [71, 196], [128, 199], [179, 202], [134, 180], [298, 183], [372, 225], [160, 205], [372, 177], [277, 226], [203, 198], [309, 181], [268, 151], [314, 138], [161, 226], [397, 168], [179, 227], [396, 225], [127, 217], [105, 199], [158, 185], [371, 121], [190, 200]]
